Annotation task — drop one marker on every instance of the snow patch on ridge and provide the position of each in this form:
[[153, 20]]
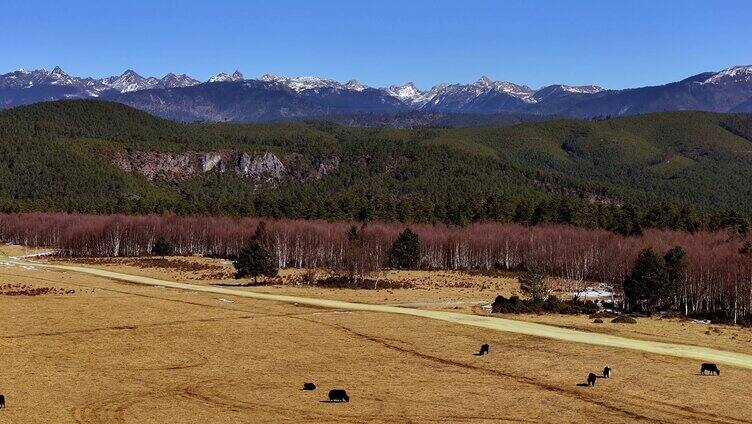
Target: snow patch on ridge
[[733, 74], [587, 89], [300, 84], [223, 77]]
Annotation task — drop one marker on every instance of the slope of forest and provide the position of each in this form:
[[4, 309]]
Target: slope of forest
[[680, 169]]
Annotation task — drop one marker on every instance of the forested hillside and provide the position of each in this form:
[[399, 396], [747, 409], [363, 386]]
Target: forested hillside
[[684, 170]]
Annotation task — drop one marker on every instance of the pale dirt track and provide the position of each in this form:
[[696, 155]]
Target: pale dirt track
[[498, 324]]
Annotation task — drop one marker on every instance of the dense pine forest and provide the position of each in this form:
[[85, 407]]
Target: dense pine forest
[[680, 170]]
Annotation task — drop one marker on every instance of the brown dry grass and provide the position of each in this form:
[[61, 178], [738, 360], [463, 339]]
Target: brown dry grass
[[14, 250], [437, 289], [117, 352], [674, 330], [192, 268]]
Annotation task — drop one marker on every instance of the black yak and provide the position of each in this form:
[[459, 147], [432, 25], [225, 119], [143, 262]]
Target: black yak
[[483, 349], [2, 401], [338, 395], [309, 386], [606, 372], [591, 379], [711, 368]]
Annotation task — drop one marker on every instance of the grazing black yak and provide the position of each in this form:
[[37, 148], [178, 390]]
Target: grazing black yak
[[483, 349], [309, 386], [606, 372], [711, 368], [2, 401], [338, 395], [591, 379]]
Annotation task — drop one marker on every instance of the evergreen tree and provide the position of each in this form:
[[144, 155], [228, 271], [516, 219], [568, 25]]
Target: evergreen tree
[[541, 214], [649, 283], [522, 212], [405, 253], [254, 261], [675, 267], [533, 282], [733, 219], [162, 247]]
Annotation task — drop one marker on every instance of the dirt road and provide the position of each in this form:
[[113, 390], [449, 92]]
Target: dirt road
[[491, 323]]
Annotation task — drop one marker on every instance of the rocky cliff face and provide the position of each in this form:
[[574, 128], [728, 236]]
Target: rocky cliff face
[[210, 160], [155, 165], [264, 164], [180, 166]]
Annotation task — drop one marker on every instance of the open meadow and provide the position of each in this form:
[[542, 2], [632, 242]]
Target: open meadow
[[375, 212], [86, 349]]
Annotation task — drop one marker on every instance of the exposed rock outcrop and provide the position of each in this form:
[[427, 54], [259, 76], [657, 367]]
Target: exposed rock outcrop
[[157, 165], [265, 164], [210, 160], [179, 166]]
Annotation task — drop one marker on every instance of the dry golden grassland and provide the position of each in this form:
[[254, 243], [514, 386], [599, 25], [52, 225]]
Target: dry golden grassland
[[101, 351], [440, 289]]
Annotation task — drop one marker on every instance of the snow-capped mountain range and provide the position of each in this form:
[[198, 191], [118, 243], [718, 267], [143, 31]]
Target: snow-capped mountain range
[[128, 81], [233, 97]]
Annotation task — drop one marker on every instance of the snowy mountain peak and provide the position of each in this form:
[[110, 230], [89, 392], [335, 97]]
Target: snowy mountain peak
[[129, 81], [733, 74], [484, 81], [268, 78], [486, 84], [59, 77], [177, 81], [223, 77], [406, 92], [355, 85], [300, 84]]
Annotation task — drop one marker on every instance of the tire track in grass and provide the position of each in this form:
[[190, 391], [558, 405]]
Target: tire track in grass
[[678, 412], [520, 379], [491, 323]]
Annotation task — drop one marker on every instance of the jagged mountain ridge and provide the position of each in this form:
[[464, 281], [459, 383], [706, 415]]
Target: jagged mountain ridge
[[127, 81], [232, 97]]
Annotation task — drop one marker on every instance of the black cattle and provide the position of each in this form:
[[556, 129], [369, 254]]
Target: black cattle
[[606, 372], [591, 379], [2, 401], [483, 349], [338, 395], [309, 386], [711, 368]]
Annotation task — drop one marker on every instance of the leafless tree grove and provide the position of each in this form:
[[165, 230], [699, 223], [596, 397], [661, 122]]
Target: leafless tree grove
[[718, 277]]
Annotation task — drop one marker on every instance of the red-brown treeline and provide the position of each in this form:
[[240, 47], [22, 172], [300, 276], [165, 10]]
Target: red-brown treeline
[[717, 278]]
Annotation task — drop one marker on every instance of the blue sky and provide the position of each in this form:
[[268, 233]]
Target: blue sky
[[614, 44]]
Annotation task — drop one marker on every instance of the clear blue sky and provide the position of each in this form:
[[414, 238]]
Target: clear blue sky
[[611, 43]]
